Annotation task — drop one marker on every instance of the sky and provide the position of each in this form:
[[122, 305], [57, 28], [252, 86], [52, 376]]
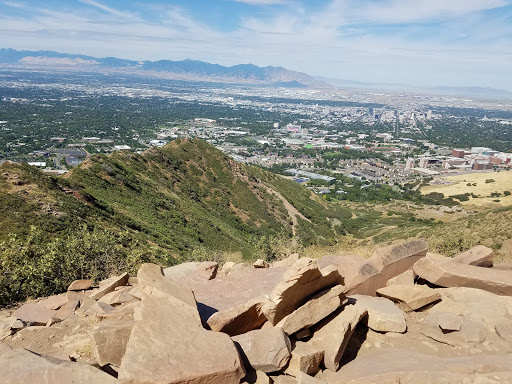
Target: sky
[[417, 42]]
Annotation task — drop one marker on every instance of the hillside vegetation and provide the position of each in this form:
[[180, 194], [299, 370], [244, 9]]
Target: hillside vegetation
[[188, 201], [181, 202]]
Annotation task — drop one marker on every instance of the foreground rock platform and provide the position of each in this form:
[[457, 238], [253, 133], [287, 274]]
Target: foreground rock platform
[[270, 325]]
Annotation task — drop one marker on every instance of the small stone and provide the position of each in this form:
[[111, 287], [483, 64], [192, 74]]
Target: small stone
[[80, 285], [305, 358], [110, 285], [260, 264]]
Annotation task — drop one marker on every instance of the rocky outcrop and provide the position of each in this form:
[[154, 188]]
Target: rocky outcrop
[[150, 331]]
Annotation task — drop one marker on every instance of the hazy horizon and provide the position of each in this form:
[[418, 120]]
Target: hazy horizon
[[457, 43]]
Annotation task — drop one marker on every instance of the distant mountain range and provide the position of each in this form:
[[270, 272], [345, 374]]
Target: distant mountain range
[[181, 70]]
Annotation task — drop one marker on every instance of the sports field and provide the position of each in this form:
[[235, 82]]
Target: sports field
[[479, 184]]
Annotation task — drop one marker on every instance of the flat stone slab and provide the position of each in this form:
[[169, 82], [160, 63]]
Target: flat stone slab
[[383, 314], [480, 256], [405, 366], [109, 339], [316, 308], [445, 272], [365, 276], [240, 319], [265, 350], [235, 289], [22, 366], [186, 272], [333, 333], [471, 333], [413, 298], [54, 302], [34, 313], [168, 343]]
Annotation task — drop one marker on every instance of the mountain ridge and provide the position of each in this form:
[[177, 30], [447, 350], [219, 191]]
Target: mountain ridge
[[184, 69]]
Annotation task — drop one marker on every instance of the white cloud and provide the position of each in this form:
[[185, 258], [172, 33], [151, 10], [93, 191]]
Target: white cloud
[[107, 9]]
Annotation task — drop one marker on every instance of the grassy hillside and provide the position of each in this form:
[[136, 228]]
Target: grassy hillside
[[181, 202]]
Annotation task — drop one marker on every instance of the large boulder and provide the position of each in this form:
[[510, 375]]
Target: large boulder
[[365, 276], [240, 319], [410, 298], [386, 263], [234, 290], [332, 334], [152, 282], [22, 366], [383, 315], [186, 273], [316, 308], [445, 272], [109, 339], [266, 350], [301, 281], [349, 267], [409, 367], [169, 345], [480, 256]]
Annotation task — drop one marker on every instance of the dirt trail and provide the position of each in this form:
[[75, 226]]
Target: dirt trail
[[292, 211]]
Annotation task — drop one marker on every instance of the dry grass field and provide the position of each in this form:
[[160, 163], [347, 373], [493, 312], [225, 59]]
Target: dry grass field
[[478, 184]]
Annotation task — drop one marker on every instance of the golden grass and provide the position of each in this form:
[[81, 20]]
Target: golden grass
[[459, 186]]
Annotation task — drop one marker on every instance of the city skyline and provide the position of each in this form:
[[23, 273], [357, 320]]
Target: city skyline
[[456, 43]]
